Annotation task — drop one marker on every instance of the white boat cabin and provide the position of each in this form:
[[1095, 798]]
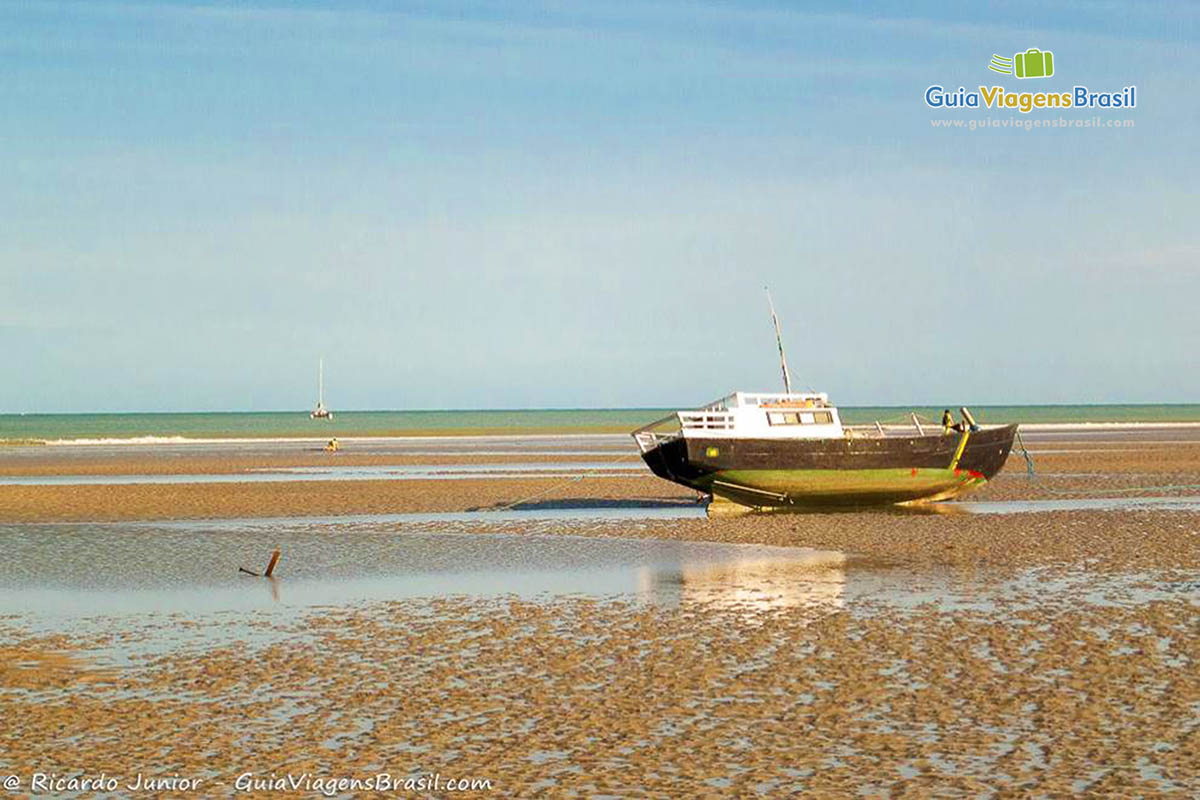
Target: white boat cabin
[[764, 415]]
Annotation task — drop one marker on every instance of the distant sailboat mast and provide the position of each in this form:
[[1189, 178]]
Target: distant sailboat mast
[[321, 412], [787, 377]]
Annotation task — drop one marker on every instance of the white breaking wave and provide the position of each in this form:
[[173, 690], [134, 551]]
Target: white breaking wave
[[151, 440], [125, 440], [160, 440]]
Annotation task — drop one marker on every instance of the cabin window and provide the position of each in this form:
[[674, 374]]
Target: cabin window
[[800, 418]]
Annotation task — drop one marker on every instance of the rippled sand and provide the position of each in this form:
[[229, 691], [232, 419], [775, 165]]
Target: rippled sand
[[1072, 670], [584, 697]]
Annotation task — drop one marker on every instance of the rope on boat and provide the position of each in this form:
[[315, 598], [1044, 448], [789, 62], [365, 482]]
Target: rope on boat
[[1033, 476], [1161, 487], [564, 482], [1029, 473]]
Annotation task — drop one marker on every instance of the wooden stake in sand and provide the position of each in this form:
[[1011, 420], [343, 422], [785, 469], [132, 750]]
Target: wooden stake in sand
[[270, 566]]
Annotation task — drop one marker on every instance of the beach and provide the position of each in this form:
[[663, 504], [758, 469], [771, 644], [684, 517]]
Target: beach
[[282, 478], [571, 400], [542, 613]]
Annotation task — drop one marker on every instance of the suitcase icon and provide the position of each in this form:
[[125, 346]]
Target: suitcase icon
[[1034, 63]]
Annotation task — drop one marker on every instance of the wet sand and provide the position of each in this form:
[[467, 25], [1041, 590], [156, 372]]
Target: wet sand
[[147, 462], [1086, 469], [308, 498], [576, 698], [1037, 688]]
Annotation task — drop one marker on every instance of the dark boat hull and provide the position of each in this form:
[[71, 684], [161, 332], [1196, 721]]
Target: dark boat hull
[[834, 472]]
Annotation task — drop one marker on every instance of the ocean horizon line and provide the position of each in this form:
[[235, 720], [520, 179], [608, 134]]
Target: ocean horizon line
[[582, 409], [191, 425]]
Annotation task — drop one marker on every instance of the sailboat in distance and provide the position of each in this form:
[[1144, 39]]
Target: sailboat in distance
[[321, 412]]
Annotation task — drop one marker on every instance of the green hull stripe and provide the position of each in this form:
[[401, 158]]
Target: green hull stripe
[[841, 482]]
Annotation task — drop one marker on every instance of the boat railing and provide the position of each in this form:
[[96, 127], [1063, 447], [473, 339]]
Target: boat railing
[[706, 420], [657, 432], [880, 431], [649, 437], [648, 440]]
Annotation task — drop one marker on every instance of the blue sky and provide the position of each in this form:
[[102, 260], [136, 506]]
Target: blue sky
[[577, 205]]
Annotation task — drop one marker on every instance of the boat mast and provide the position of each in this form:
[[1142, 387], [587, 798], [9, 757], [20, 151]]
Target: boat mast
[[787, 377], [321, 382]]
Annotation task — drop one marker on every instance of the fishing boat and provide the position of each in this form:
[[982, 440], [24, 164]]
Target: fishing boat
[[321, 412], [791, 449]]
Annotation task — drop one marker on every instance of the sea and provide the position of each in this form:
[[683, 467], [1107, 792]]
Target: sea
[[149, 427]]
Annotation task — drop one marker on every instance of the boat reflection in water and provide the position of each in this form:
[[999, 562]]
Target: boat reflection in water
[[813, 579]]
